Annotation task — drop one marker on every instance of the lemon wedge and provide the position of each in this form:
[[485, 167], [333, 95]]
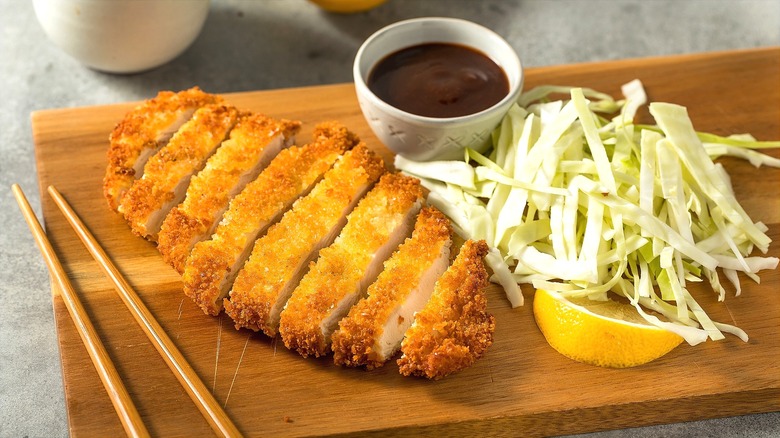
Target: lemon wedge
[[347, 6], [604, 333]]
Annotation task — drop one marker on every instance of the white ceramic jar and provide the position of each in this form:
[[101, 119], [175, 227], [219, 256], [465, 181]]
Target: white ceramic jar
[[427, 138], [122, 36]]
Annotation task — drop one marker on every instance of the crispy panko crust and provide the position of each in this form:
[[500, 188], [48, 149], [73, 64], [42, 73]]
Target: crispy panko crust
[[185, 154], [336, 132], [279, 258], [355, 343], [454, 329], [238, 160], [342, 269], [213, 264], [143, 130]]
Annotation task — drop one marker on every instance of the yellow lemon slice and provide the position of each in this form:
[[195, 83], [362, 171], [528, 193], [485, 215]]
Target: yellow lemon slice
[[347, 6], [604, 333]]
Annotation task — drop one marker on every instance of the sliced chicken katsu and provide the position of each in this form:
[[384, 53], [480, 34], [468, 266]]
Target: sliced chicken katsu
[[142, 132], [343, 271], [453, 329], [253, 142], [213, 264], [167, 173], [372, 331], [280, 258]]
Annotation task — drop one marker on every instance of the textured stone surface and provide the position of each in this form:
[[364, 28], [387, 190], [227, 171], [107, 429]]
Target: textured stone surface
[[253, 45]]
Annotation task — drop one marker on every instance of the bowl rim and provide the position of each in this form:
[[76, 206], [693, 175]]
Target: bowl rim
[[513, 61]]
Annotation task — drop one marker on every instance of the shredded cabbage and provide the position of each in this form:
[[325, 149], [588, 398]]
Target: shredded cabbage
[[574, 202]]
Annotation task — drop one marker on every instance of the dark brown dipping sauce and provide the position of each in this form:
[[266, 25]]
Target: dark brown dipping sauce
[[439, 80]]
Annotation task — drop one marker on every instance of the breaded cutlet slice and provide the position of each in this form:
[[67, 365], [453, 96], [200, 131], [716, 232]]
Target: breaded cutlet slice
[[213, 264], [167, 173], [372, 331], [253, 143], [142, 132], [343, 271], [280, 258], [453, 330]]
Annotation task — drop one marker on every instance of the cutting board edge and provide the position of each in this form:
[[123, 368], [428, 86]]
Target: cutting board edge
[[576, 421], [664, 59]]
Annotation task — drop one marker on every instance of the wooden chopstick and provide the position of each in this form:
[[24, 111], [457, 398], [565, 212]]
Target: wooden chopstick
[[123, 404], [200, 395]]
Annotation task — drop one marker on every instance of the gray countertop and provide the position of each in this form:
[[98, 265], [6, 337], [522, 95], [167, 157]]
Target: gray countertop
[[257, 45]]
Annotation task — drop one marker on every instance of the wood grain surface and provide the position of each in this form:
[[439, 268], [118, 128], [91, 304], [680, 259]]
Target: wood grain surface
[[522, 387]]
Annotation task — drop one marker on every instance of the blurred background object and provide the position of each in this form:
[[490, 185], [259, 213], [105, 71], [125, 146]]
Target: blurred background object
[[347, 6], [122, 36]]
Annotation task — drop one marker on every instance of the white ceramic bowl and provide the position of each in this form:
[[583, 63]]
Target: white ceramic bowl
[[122, 36], [427, 138]]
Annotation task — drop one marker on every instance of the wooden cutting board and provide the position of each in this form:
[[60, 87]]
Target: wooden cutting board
[[522, 387]]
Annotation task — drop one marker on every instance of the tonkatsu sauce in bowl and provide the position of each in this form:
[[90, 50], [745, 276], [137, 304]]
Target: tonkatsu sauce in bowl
[[439, 80], [430, 87]]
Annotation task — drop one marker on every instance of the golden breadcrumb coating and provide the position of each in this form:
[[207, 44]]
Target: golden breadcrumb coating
[[335, 131], [454, 329], [168, 172], [280, 257], [381, 220], [213, 264], [253, 142], [357, 341], [142, 132]]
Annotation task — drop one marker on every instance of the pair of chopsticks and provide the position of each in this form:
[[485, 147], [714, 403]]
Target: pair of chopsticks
[[123, 404]]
